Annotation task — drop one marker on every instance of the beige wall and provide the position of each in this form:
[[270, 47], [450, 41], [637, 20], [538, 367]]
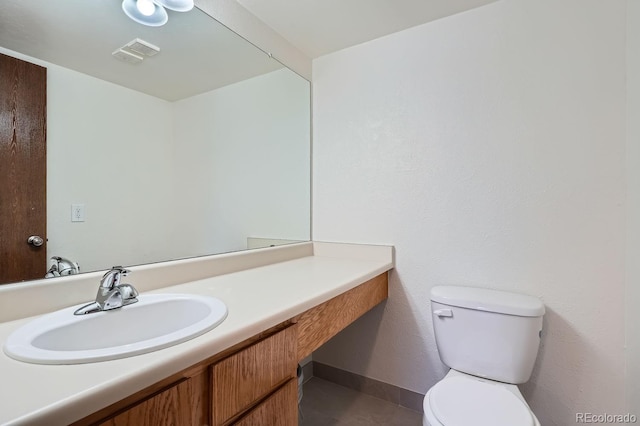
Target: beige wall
[[489, 148]]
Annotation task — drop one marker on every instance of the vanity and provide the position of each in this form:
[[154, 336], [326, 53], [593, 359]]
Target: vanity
[[283, 303]]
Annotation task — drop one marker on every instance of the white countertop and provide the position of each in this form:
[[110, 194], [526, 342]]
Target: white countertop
[[257, 299]]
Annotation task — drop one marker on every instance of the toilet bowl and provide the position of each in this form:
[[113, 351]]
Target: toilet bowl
[[489, 339], [464, 400]]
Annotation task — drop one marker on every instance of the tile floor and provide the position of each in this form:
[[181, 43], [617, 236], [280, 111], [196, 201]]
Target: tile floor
[[325, 404]]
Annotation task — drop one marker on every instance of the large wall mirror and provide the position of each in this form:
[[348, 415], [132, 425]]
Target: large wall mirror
[[202, 148]]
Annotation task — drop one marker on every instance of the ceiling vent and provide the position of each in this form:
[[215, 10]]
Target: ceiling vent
[[142, 47], [128, 57], [135, 51]]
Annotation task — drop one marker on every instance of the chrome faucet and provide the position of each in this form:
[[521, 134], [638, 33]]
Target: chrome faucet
[[111, 294]]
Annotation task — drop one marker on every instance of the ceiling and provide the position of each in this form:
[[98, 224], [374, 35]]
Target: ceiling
[[318, 27], [82, 34], [197, 54]]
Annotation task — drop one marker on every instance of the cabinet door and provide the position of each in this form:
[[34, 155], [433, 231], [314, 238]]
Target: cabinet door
[[184, 404], [280, 409], [251, 374]]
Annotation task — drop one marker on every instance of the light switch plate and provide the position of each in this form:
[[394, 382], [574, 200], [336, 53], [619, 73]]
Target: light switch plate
[[77, 212]]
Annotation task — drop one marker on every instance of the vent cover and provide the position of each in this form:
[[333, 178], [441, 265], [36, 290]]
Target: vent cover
[[142, 47], [128, 57]]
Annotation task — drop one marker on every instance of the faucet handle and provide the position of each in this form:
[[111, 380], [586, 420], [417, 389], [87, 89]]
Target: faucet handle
[[111, 279], [123, 272], [128, 292]]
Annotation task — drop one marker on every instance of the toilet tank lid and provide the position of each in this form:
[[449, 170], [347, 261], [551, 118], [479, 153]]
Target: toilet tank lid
[[483, 299]]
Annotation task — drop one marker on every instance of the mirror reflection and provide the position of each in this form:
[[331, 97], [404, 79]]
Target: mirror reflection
[[200, 148]]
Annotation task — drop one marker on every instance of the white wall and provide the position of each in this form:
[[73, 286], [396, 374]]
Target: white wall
[[488, 147], [248, 143], [98, 136], [633, 205]]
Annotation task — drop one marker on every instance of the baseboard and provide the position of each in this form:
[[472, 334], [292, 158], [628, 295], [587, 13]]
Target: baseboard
[[307, 371], [366, 385]]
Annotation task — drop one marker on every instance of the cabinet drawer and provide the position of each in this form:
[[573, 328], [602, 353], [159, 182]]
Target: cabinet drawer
[[184, 404], [280, 409], [247, 376]]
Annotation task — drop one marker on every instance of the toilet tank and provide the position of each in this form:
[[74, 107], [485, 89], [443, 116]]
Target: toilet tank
[[487, 333]]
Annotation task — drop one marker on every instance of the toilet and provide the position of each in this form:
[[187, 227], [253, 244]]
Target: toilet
[[489, 339]]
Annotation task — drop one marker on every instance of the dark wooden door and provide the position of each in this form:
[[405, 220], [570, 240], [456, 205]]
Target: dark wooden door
[[23, 171]]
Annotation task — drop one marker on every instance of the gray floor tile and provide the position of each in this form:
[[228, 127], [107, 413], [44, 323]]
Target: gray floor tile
[[325, 403]]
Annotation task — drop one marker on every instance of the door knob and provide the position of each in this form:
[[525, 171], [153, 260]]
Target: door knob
[[35, 240]]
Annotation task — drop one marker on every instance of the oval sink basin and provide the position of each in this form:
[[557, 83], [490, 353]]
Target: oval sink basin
[[155, 322]]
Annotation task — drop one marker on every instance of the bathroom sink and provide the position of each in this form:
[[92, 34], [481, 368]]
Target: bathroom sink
[[155, 322]]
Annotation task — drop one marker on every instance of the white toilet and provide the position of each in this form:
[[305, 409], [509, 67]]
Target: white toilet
[[489, 339]]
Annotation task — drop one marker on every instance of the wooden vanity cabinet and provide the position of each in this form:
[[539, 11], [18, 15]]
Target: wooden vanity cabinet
[[250, 384], [241, 386], [247, 377]]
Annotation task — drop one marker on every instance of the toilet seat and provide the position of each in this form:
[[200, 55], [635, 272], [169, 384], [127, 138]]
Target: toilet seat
[[462, 401]]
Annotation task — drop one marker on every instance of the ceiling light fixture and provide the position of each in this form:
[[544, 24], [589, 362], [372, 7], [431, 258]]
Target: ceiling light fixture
[[176, 5], [152, 12], [145, 12]]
